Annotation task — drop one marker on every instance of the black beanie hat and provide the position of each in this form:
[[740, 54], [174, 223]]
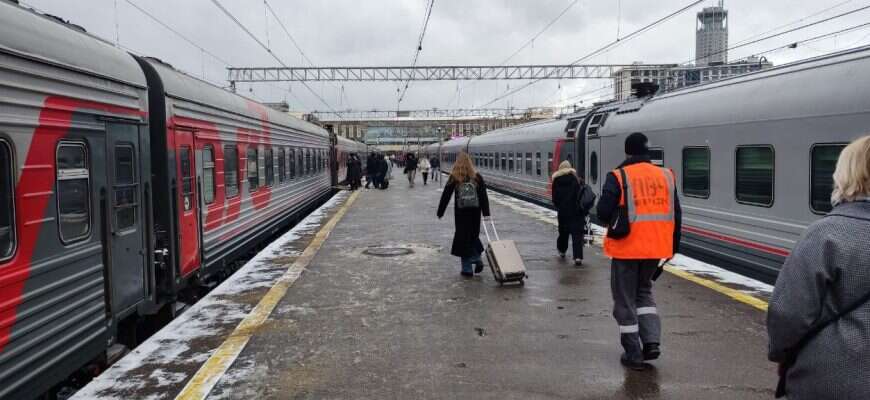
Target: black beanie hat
[[636, 144]]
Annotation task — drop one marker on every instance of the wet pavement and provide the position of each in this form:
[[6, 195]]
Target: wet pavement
[[366, 326], [381, 312]]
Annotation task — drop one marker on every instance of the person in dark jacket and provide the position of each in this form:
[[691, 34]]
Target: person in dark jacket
[[571, 216], [371, 168], [354, 172], [435, 163], [636, 256], [826, 274], [411, 168], [466, 240]]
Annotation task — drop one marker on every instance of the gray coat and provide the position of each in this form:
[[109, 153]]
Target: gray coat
[[828, 270]]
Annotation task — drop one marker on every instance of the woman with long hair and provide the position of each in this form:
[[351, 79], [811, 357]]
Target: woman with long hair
[[471, 201]]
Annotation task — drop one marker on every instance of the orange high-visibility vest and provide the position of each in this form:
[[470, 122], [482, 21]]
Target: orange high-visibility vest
[[649, 197]]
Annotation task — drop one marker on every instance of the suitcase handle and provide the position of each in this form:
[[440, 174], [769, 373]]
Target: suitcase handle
[[494, 231]]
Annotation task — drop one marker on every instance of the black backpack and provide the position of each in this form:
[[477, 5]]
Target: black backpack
[[466, 195]]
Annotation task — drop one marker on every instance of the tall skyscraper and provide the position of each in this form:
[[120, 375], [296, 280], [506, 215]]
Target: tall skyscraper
[[711, 35]]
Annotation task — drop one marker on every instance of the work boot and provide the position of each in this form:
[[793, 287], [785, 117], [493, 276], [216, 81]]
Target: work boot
[[478, 267], [632, 365], [467, 274], [651, 351]]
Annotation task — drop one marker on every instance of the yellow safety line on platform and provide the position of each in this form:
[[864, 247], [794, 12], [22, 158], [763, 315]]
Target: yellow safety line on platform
[[220, 361], [727, 291]]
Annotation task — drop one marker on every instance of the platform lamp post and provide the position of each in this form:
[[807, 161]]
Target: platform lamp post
[[440, 142]]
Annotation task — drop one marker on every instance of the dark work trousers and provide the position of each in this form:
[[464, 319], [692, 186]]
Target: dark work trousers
[[572, 227], [425, 177], [633, 305]]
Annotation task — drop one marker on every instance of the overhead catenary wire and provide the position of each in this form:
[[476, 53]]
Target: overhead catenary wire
[[526, 44], [606, 47], [196, 45], [419, 48], [272, 54]]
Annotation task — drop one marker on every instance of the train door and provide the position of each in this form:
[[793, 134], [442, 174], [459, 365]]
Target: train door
[[594, 174], [188, 209], [126, 218]]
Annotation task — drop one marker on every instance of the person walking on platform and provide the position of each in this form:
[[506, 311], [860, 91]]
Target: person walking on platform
[[386, 172], [641, 204], [371, 168], [411, 168], [818, 320], [568, 196], [435, 163], [424, 169], [470, 203], [354, 171]]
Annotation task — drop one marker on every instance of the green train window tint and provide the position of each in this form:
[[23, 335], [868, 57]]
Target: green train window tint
[[7, 202], [696, 172], [824, 161], [754, 177]]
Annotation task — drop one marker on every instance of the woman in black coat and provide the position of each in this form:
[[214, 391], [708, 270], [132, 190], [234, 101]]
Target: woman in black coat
[[572, 218], [466, 240]]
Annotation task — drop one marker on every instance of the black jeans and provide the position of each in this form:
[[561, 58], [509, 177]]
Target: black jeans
[[572, 227], [425, 177]]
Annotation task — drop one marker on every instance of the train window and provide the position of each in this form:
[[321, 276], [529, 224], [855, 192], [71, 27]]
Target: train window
[[593, 167], [571, 129], [208, 183], [269, 170], [511, 163], [231, 171], [528, 163], [292, 161], [538, 163], [657, 156], [596, 122], [497, 161], [282, 165], [7, 202], [696, 172], [253, 171], [125, 188], [73, 192], [824, 161], [755, 175], [504, 162], [549, 164], [307, 161], [300, 162]]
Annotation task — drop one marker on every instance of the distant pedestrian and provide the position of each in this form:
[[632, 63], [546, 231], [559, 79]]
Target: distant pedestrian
[[641, 236], [386, 173], [435, 163], [424, 169], [411, 168], [371, 168], [470, 203], [354, 172], [818, 318], [572, 201]]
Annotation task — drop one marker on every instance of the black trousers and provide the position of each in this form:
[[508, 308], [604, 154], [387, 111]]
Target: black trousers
[[573, 227], [425, 177]]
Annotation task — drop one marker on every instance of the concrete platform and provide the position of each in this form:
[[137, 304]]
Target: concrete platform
[[362, 326]]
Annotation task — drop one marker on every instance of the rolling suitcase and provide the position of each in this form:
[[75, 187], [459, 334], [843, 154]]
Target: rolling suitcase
[[503, 258]]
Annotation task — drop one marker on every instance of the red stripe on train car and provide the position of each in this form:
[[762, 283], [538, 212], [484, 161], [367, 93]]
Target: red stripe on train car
[[55, 119], [733, 240]]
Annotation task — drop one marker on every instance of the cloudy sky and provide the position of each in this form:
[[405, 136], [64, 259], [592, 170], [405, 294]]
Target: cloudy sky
[[460, 32]]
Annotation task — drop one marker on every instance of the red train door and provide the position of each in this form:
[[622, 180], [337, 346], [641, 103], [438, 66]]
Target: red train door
[[188, 209]]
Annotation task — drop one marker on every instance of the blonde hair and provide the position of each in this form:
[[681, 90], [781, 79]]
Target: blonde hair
[[852, 176], [463, 169]]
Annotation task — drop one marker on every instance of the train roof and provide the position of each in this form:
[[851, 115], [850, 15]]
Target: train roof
[[47, 39], [529, 132], [179, 85], [834, 84]]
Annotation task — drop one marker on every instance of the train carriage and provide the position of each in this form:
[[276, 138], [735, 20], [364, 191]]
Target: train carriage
[[74, 190]]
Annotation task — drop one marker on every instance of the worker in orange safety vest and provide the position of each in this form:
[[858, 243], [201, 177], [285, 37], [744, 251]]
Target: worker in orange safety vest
[[639, 201]]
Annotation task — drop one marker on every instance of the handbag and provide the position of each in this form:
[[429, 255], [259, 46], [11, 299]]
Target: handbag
[[814, 331], [619, 226], [586, 198]]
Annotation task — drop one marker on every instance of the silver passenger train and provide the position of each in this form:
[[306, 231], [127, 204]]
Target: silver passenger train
[[753, 154]]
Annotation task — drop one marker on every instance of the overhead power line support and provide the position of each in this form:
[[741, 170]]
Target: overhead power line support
[[425, 73]]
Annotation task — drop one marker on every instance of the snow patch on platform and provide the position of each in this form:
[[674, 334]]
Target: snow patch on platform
[[173, 345]]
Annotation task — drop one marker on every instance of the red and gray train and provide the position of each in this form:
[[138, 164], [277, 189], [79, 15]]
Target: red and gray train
[[124, 186], [753, 154]]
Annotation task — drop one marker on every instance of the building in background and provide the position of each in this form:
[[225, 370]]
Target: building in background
[[711, 35]]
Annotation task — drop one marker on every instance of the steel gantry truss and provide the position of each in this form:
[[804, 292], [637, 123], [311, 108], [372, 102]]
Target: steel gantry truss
[[434, 114], [423, 73]]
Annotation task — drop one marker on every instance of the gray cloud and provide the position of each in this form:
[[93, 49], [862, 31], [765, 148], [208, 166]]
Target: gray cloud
[[384, 32]]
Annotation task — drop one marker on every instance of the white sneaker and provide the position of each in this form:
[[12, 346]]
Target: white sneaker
[[578, 262]]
